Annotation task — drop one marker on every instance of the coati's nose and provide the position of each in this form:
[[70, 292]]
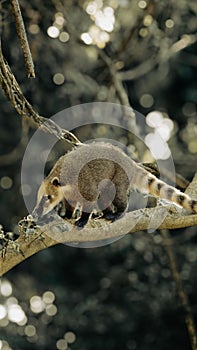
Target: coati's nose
[[39, 209], [36, 213]]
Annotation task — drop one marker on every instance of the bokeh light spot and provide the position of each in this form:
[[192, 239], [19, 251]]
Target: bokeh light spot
[[22, 322], [51, 310], [148, 20], [157, 146], [6, 182], [154, 119], [11, 301], [92, 8], [30, 330], [105, 20], [142, 4], [146, 100], [86, 38], [143, 32], [61, 344], [70, 337], [15, 313], [5, 288], [164, 132], [48, 297], [64, 37], [169, 23], [36, 304], [53, 32], [59, 20], [34, 29], [3, 311], [58, 79]]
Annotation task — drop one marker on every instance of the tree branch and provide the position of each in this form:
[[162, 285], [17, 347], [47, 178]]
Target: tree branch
[[145, 67], [61, 231], [128, 113], [12, 90], [20, 28]]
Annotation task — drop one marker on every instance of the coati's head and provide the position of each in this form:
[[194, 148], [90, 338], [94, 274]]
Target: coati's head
[[49, 195]]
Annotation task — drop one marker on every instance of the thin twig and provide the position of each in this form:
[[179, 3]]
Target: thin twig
[[167, 244], [123, 97], [20, 28], [145, 67], [129, 113], [126, 41]]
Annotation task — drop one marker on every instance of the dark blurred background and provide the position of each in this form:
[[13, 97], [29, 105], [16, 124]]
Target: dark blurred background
[[120, 296]]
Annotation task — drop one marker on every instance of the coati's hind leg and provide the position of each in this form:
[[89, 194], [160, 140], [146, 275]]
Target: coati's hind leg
[[119, 205], [120, 201], [81, 218]]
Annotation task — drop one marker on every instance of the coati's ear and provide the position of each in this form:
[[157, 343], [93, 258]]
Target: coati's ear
[[55, 181]]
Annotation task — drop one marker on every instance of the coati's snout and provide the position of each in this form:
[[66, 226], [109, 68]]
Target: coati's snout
[[49, 195]]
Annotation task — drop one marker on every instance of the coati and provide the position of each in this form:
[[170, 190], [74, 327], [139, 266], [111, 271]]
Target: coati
[[96, 179]]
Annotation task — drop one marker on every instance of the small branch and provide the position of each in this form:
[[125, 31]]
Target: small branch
[[150, 9], [180, 289], [185, 41], [140, 70], [129, 113], [122, 95], [20, 28], [12, 90], [145, 67]]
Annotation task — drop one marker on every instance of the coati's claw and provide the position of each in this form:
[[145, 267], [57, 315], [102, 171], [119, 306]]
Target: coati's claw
[[61, 209], [95, 214], [77, 213]]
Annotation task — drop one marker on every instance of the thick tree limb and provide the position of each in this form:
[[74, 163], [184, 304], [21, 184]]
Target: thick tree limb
[[62, 231]]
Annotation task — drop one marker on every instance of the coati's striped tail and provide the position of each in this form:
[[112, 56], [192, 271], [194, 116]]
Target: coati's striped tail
[[148, 183]]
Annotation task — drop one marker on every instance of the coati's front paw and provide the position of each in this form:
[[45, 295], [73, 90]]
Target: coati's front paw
[[82, 221], [113, 216]]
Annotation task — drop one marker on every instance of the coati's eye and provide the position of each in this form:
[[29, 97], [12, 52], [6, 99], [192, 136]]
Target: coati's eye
[[55, 181], [49, 197]]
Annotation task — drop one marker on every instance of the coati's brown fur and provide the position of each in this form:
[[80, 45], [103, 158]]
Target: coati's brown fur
[[97, 178]]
